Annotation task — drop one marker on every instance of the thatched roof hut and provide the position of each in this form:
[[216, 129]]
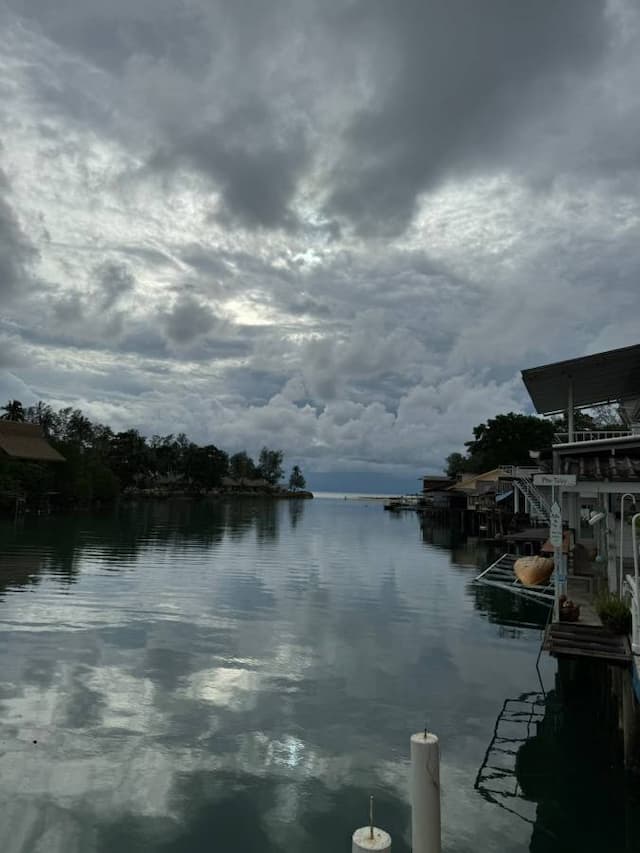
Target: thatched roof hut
[[26, 441]]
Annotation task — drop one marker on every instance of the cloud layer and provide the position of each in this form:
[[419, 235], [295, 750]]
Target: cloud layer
[[341, 228]]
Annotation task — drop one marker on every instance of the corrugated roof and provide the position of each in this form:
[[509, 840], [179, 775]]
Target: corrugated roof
[[601, 378], [26, 441]]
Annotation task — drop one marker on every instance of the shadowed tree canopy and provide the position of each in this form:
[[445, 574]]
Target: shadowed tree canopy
[[101, 463], [270, 465], [504, 440], [456, 464], [241, 465], [12, 411], [296, 479]]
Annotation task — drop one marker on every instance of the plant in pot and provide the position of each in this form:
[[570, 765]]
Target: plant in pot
[[614, 613]]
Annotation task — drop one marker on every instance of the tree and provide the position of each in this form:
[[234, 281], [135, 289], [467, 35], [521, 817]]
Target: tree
[[42, 414], [456, 464], [206, 466], [242, 466], [296, 480], [13, 411], [270, 465], [507, 440], [79, 429], [603, 417]]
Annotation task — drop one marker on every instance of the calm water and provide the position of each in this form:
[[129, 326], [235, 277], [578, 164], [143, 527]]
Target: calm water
[[240, 677]]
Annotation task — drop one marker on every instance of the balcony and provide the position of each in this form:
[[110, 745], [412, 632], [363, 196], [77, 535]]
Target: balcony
[[592, 435]]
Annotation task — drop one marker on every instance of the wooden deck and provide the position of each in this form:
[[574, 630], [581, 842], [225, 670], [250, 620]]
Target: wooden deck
[[579, 640], [586, 638]]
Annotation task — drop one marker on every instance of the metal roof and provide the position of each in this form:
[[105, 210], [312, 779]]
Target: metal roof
[[26, 441], [601, 378]]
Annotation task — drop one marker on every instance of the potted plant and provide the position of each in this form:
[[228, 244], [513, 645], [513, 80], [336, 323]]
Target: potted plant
[[614, 613], [569, 612]]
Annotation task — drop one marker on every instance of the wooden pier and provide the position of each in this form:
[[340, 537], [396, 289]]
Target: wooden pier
[[577, 640], [587, 638]]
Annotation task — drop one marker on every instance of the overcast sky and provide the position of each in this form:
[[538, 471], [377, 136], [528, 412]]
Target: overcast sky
[[340, 227]]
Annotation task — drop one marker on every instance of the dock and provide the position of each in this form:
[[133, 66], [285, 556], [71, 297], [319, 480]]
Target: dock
[[586, 638], [576, 640]]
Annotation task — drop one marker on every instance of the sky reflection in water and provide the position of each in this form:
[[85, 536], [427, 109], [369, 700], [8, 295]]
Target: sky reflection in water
[[243, 675]]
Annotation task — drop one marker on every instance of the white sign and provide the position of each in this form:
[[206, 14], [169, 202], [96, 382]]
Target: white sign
[[554, 479], [555, 526]]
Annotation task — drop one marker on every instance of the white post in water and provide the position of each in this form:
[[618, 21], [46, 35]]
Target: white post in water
[[425, 793], [370, 837]]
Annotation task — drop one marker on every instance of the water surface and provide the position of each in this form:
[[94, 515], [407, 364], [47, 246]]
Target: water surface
[[240, 676]]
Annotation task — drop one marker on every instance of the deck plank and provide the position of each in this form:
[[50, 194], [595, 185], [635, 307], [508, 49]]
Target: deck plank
[[568, 639]]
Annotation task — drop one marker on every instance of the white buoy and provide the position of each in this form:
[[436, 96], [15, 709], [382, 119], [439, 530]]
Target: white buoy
[[362, 840], [425, 793], [370, 837]]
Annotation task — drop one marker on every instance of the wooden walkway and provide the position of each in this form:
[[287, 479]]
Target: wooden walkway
[[577, 640]]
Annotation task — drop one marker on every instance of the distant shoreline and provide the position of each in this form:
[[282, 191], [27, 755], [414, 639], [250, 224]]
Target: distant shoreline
[[351, 496]]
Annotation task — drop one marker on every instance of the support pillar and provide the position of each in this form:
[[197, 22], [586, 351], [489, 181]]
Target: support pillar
[[570, 405]]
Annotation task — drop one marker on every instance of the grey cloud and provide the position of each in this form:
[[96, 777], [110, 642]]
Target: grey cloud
[[454, 79], [16, 251], [188, 319], [114, 280], [510, 127], [253, 157], [110, 34]]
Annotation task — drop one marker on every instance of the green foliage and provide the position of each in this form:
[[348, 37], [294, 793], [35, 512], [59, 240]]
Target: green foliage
[[456, 464], [614, 613], [505, 440], [296, 479], [206, 466], [270, 465], [241, 465]]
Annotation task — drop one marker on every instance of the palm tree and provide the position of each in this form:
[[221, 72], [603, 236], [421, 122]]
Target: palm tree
[[13, 411]]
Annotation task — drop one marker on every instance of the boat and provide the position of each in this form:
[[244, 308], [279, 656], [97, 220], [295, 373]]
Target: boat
[[533, 571], [404, 502]]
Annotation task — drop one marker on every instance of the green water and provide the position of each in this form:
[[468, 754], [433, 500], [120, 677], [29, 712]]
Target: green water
[[241, 676]]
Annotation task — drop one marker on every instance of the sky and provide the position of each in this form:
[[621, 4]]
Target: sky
[[341, 227]]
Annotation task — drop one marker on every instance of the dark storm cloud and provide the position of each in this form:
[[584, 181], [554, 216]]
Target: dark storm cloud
[[253, 161], [108, 34], [454, 79], [187, 319]]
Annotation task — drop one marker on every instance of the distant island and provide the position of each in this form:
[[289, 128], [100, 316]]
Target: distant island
[[61, 459]]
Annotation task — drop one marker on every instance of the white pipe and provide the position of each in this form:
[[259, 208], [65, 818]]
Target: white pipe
[[363, 841], [635, 637], [425, 793], [626, 495]]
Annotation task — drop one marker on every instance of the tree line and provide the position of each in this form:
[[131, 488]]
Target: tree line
[[100, 462]]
